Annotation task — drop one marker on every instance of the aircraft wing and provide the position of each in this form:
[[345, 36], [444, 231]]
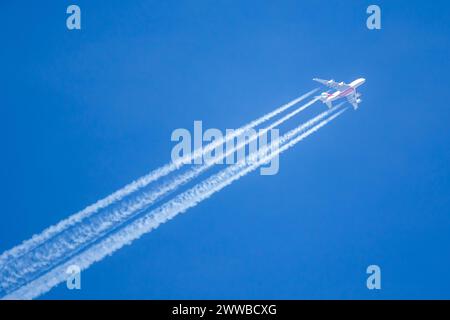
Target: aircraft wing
[[332, 84], [354, 100]]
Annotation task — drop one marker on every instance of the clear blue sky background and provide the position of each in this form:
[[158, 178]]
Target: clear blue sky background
[[85, 112]]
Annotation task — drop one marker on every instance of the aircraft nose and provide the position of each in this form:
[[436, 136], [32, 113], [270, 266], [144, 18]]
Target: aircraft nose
[[362, 80]]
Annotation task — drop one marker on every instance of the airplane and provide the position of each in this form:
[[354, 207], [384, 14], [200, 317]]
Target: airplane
[[342, 90]]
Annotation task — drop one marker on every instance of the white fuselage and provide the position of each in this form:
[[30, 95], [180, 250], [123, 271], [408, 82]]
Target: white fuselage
[[340, 94]]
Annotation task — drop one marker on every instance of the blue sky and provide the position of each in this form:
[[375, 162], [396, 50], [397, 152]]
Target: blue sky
[[85, 112]]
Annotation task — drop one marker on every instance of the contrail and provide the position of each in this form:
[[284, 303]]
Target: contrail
[[142, 182], [163, 213], [18, 270]]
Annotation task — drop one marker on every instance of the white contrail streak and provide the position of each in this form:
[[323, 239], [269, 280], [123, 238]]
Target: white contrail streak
[[18, 270], [168, 210], [142, 182]]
